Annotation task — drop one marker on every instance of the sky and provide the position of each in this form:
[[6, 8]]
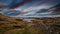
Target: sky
[[23, 4], [37, 5], [26, 6]]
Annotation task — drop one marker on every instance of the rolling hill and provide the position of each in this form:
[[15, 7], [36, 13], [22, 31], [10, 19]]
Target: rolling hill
[[9, 25]]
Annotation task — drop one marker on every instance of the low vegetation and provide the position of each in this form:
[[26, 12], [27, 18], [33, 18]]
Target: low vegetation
[[9, 25]]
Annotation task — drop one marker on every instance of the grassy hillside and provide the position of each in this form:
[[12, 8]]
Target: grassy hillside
[[9, 25]]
